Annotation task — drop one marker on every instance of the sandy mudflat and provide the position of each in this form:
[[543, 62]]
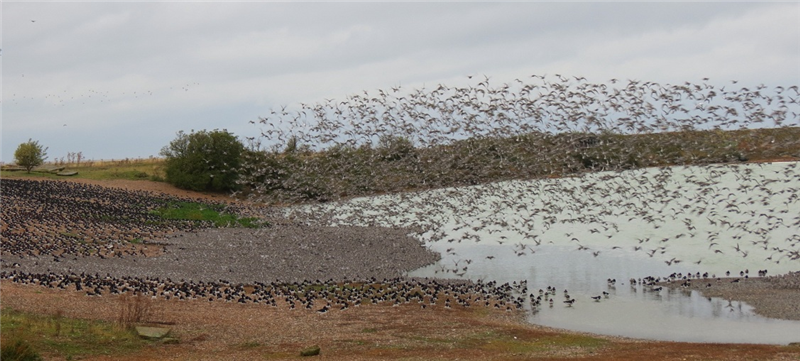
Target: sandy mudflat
[[773, 296]]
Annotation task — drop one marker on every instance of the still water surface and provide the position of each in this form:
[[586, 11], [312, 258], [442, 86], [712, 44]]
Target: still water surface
[[630, 311], [576, 233]]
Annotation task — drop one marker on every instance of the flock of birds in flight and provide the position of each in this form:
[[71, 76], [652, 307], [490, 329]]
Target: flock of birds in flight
[[93, 97], [444, 114], [537, 104], [50, 222], [594, 201], [68, 97], [755, 208]]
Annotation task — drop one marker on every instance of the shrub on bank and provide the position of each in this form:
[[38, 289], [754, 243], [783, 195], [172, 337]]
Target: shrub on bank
[[203, 161]]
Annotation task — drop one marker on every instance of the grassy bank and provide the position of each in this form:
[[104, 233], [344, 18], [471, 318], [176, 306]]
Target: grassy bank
[[29, 334], [140, 169]]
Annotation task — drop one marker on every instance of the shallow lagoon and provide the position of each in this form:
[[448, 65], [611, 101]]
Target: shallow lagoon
[[575, 233], [630, 311]]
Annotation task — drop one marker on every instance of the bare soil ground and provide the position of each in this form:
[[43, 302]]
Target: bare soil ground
[[231, 331]]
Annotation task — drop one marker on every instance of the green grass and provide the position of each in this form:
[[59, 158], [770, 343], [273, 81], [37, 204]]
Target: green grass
[[518, 342], [54, 335], [19, 350], [133, 170], [191, 211], [512, 342]]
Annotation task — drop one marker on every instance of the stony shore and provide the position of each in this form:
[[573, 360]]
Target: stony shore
[[281, 252], [290, 252], [773, 296]]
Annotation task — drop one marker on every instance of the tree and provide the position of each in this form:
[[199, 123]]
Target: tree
[[203, 161], [30, 154]]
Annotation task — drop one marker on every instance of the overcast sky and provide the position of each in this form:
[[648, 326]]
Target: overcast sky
[[116, 80]]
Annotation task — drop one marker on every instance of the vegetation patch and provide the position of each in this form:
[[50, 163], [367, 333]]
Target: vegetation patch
[[215, 214], [64, 337], [574, 340], [203, 161], [18, 350], [527, 342], [144, 169]]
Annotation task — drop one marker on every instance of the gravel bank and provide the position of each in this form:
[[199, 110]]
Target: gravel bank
[[773, 296], [282, 252]]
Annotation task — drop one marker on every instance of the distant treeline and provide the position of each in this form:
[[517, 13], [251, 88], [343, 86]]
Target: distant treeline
[[297, 174]]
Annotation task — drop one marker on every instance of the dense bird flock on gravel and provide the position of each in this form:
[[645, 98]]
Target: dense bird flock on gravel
[[53, 222], [307, 295], [560, 129], [62, 219]]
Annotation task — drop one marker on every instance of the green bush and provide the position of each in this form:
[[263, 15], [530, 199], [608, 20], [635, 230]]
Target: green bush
[[30, 154], [203, 161], [18, 350]]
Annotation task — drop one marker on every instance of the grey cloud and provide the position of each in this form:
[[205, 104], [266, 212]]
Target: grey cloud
[[257, 55]]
